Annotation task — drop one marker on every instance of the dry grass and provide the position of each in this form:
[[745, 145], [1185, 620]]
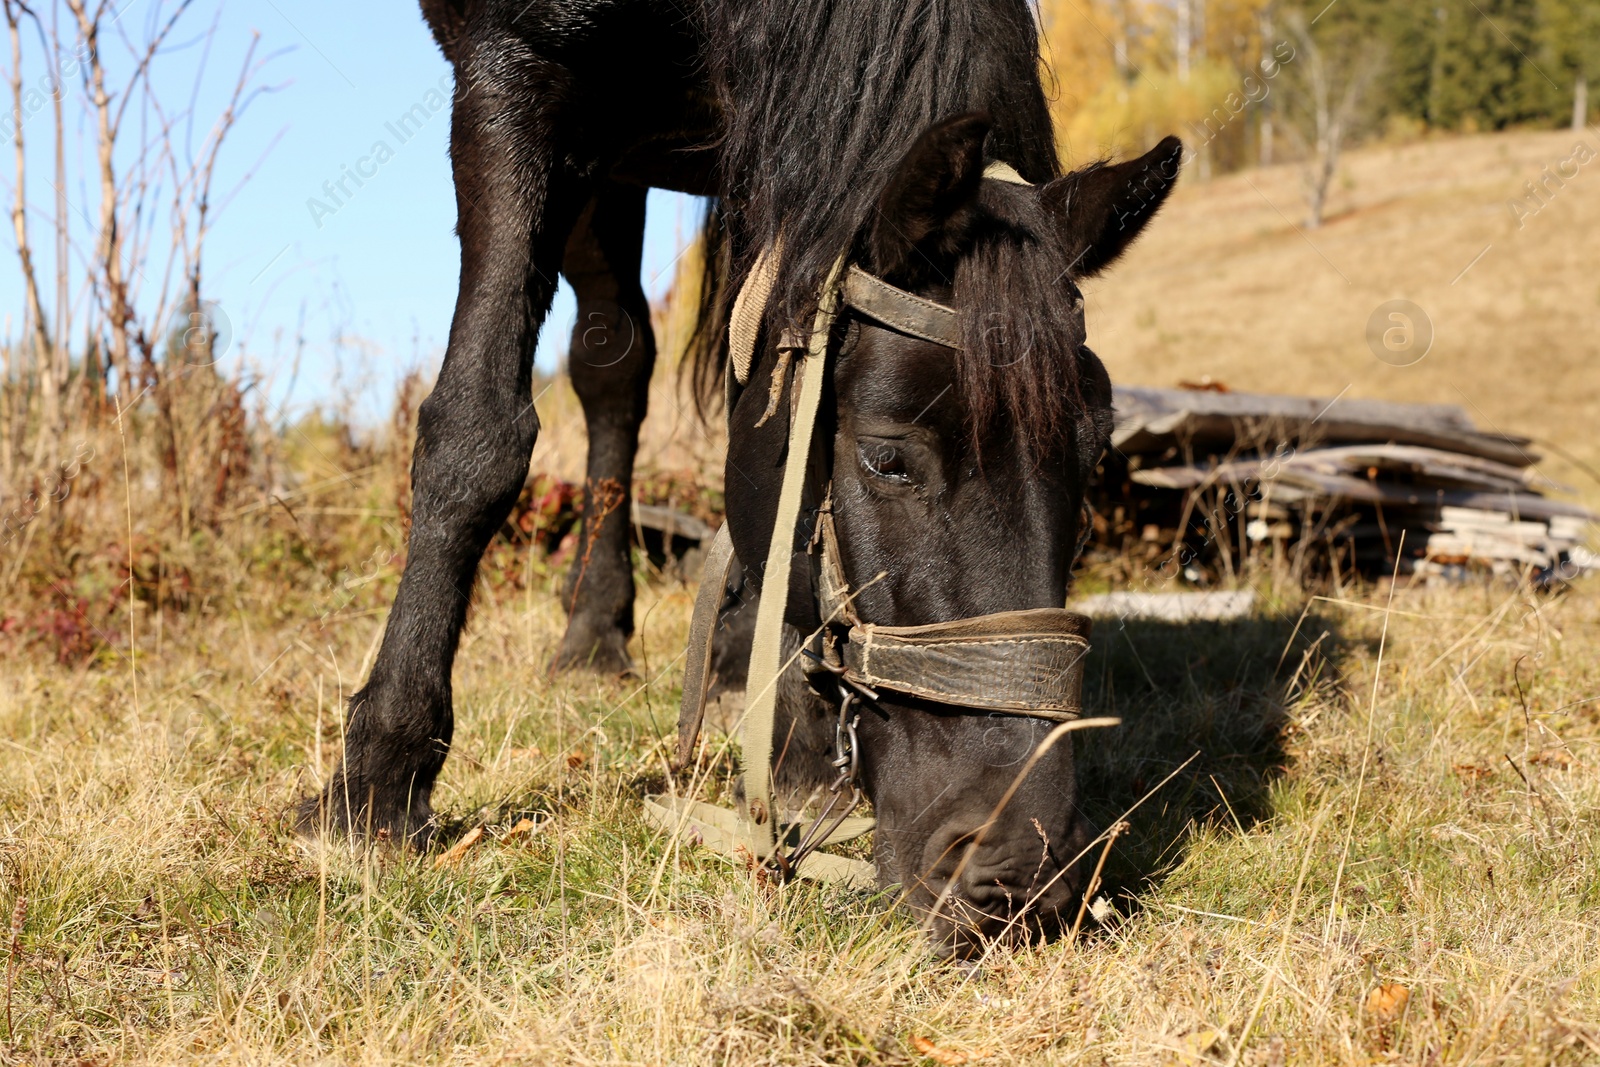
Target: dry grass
[[1365, 863], [1324, 842]]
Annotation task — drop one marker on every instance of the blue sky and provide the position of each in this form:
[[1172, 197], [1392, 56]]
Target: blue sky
[[375, 270]]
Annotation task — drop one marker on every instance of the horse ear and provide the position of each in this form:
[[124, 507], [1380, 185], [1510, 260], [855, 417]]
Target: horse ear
[[1102, 208], [929, 206]]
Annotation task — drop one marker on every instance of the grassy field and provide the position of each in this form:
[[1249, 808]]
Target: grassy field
[[1371, 832], [1342, 831]]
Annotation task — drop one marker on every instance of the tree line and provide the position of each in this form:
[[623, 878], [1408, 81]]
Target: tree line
[[1253, 82]]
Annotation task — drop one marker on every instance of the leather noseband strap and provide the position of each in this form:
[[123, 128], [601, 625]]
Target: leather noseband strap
[[1016, 662]]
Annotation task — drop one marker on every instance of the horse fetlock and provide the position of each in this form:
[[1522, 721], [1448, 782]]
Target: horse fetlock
[[599, 593], [373, 810]]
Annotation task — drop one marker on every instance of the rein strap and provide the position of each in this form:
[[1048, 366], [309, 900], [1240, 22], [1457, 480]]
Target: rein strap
[[761, 683], [702, 628]]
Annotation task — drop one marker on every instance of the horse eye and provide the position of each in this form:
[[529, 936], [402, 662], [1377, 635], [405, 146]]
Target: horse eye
[[884, 461]]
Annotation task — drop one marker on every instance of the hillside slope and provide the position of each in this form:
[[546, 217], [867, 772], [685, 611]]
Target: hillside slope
[[1227, 283]]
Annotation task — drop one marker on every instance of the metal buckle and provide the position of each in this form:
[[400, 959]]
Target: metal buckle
[[847, 762]]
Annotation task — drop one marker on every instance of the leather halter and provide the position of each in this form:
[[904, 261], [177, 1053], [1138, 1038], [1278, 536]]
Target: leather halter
[[1027, 663]]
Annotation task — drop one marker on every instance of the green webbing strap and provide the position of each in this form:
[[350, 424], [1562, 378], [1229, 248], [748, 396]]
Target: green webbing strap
[[723, 831], [759, 815], [754, 831]]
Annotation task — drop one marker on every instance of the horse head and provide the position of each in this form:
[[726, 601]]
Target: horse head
[[953, 474]]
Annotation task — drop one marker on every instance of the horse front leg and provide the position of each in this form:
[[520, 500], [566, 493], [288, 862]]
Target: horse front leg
[[516, 205], [613, 351]]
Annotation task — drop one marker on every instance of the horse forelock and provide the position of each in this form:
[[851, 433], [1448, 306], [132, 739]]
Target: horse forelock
[[1023, 330], [821, 101]]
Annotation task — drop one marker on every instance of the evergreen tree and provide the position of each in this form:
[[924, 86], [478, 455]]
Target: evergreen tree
[[1407, 33], [1483, 74]]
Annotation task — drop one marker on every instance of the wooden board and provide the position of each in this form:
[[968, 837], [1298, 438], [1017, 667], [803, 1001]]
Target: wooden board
[[1154, 420], [1144, 402], [1432, 467]]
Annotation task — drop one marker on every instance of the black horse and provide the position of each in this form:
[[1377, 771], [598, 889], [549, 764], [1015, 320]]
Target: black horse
[[843, 125]]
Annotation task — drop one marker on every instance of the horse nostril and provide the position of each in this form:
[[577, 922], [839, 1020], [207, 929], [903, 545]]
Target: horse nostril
[[964, 929], [1001, 890], [970, 899]]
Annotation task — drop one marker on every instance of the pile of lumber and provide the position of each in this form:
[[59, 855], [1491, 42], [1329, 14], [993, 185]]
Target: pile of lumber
[[1208, 479]]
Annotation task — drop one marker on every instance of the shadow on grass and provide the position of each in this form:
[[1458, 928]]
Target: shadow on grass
[[1217, 691]]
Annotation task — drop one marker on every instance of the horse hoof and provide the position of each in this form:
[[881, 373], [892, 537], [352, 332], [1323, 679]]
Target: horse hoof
[[396, 824], [604, 652]]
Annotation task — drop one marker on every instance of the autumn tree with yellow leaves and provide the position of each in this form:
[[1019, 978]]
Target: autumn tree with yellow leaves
[[1128, 72]]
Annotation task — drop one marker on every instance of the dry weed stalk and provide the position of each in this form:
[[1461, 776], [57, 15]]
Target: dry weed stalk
[[19, 914], [1093, 885]]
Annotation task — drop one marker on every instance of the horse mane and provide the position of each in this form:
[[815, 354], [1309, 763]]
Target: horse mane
[[821, 99]]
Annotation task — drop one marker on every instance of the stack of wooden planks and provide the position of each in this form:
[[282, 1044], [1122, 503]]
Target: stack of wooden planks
[[1209, 479]]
